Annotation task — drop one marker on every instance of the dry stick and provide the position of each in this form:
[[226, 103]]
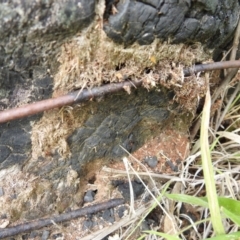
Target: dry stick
[[29, 226], [84, 95], [211, 66], [73, 97]]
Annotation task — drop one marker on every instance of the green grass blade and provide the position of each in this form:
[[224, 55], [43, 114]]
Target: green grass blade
[[213, 145], [235, 101], [191, 226], [160, 234], [142, 237], [188, 199], [234, 217], [231, 209], [215, 215], [230, 236], [230, 204], [150, 209]]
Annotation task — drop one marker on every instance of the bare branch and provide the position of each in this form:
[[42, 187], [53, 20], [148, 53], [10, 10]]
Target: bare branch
[[73, 97], [29, 226], [211, 66], [85, 94]]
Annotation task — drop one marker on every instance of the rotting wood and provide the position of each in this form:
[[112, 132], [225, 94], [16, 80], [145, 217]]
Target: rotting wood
[[40, 223]]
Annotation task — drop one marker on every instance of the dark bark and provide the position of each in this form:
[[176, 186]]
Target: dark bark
[[210, 22]]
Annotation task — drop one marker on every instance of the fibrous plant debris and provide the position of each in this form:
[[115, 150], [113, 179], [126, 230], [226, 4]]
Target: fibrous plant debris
[[91, 59]]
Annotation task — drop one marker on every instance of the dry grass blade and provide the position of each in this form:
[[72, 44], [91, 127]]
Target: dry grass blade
[[226, 109], [150, 192], [126, 164], [233, 72], [208, 168], [122, 223], [232, 136], [224, 84], [235, 42], [162, 177]]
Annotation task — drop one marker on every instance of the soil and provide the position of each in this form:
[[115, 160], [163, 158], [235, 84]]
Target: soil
[[170, 148]]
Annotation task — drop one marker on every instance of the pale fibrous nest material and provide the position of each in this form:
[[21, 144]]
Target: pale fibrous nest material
[[91, 59], [51, 131]]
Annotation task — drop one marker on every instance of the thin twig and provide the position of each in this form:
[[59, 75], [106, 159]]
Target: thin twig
[[211, 66], [220, 119], [29, 226], [85, 94], [73, 97], [224, 84], [132, 210], [235, 42], [195, 129]]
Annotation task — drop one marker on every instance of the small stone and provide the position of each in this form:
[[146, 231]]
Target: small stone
[[121, 211], [137, 186], [171, 165], [108, 215], [145, 226], [147, 198], [4, 223], [151, 161], [89, 196], [87, 224], [57, 236], [45, 235], [34, 234], [1, 192]]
